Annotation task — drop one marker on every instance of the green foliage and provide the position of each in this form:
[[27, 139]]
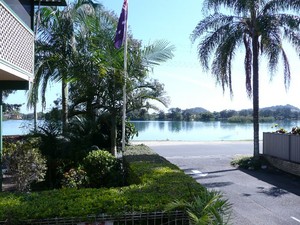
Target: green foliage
[[162, 179], [130, 132], [207, 207], [280, 130], [247, 162], [85, 132], [25, 162], [240, 119], [207, 116], [295, 130], [102, 169], [54, 147], [74, 178], [160, 183]]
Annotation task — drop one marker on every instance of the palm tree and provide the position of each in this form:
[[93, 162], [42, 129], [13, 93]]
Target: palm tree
[[99, 77], [260, 26], [54, 48]]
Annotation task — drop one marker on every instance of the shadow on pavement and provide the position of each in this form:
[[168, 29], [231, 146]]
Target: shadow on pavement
[[216, 184], [283, 183], [209, 175]]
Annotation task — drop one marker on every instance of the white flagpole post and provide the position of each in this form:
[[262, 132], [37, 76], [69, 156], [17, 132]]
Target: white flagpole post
[[124, 85]]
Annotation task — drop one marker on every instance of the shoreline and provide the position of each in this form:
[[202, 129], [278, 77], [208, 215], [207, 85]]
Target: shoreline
[[180, 142]]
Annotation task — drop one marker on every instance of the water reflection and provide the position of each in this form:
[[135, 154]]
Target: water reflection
[[141, 125], [175, 126], [202, 131], [161, 125], [178, 130]]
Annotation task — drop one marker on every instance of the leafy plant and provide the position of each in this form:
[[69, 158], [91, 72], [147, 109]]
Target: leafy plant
[[208, 207], [103, 169], [279, 130], [160, 183], [295, 130], [74, 178], [25, 163], [248, 162], [53, 147]]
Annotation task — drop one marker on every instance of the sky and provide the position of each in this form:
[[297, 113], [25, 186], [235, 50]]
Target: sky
[[186, 84]]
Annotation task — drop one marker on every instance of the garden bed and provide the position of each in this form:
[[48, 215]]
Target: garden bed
[[154, 182]]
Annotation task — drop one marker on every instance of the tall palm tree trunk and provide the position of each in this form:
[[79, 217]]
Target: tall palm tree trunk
[[113, 135], [64, 105], [255, 95], [35, 117]]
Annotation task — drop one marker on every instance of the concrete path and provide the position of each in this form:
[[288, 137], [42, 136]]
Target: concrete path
[[265, 197]]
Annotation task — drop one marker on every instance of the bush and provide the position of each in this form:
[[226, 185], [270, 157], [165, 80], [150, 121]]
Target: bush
[[25, 163], [248, 162], [74, 178], [160, 182], [208, 207], [103, 169]]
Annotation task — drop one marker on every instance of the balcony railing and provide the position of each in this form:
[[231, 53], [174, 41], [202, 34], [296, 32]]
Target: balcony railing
[[16, 47]]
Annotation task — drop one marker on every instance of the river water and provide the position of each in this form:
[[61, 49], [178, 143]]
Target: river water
[[16, 127], [175, 130], [202, 131]]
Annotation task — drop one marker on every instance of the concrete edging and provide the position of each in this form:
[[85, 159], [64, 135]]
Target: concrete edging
[[287, 166]]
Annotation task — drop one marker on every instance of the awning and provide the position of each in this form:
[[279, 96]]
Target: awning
[[51, 2]]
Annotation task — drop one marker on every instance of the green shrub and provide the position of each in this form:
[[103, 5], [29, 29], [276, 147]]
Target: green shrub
[[207, 207], [160, 182], [74, 178], [25, 163], [103, 169], [247, 162]]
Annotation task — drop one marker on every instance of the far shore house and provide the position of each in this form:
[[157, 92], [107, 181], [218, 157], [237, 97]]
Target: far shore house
[[17, 47]]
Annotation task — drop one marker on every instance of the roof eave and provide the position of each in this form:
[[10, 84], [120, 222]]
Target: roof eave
[[51, 2]]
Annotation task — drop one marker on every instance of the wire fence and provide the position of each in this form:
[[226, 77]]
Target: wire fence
[[155, 218]]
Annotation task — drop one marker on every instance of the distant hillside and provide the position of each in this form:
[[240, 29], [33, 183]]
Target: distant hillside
[[196, 110], [280, 107]]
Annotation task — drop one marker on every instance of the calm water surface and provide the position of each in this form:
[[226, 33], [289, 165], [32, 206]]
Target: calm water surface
[[175, 130], [16, 127], [202, 131]]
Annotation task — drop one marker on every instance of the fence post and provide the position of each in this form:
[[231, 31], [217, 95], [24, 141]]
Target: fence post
[[290, 143]]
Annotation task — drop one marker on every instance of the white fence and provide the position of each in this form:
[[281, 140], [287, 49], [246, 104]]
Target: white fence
[[282, 146]]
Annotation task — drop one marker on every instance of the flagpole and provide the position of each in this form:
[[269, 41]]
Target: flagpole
[[124, 86]]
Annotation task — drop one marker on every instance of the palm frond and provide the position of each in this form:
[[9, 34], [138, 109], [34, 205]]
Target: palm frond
[[275, 6], [208, 207], [287, 71], [248, 65], [158, 52]]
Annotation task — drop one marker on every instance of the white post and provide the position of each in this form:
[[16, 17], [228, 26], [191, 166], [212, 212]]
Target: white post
[[124, 86]]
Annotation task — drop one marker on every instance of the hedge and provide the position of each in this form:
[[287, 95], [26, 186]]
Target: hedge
[[155, 182]]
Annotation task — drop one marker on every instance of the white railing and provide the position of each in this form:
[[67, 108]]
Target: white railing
[[16, 46]]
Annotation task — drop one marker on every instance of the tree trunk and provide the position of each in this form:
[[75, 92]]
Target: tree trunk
[[255, 95], [113, 135], [64, 100], [35, 117]]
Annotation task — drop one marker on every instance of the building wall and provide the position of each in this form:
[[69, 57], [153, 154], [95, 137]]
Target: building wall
[[16, 46]]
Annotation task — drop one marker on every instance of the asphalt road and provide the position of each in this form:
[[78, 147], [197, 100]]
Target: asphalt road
[[264, 197]]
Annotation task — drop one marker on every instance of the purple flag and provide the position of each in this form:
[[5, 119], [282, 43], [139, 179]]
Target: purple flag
[[120, 34]]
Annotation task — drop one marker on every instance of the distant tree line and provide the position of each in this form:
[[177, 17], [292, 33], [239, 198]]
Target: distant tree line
[[241, 116]]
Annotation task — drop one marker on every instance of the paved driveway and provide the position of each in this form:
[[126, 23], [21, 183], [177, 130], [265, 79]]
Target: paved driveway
[[259, 197]]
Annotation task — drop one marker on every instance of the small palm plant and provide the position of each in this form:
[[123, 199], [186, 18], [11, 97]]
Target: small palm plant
[[207, 208]]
